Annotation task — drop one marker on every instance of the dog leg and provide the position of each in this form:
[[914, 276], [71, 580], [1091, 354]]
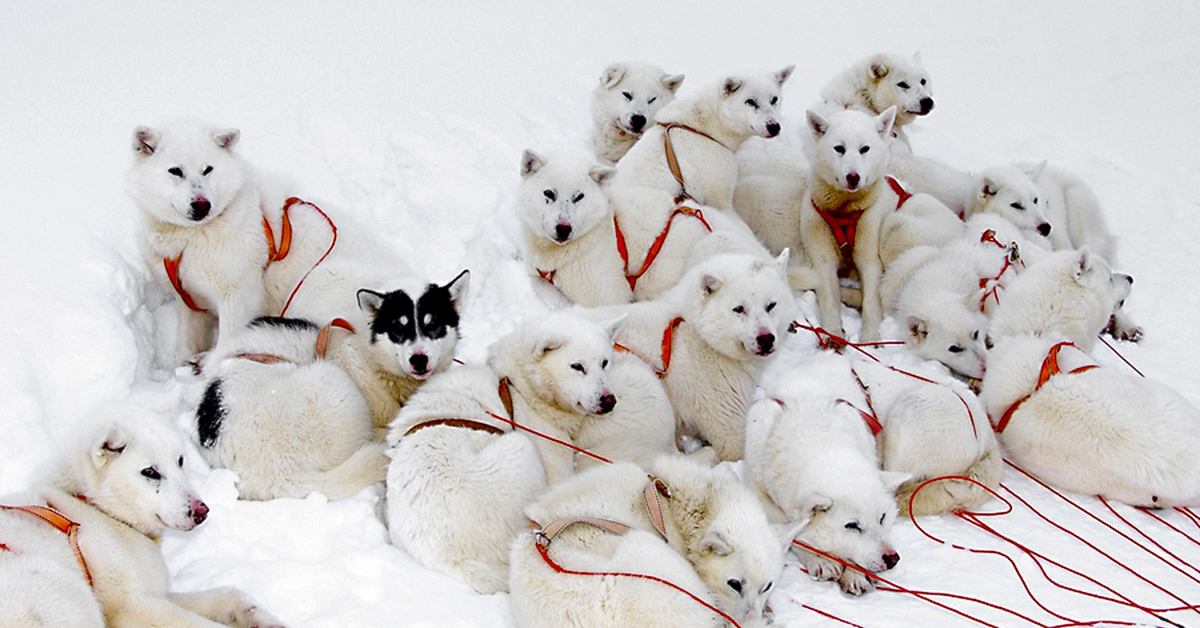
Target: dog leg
[[226, 606]]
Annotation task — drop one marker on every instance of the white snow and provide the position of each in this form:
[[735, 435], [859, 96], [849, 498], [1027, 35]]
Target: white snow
[[413, 115]]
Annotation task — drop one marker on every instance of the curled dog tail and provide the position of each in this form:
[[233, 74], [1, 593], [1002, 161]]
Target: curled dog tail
[[363, 468], [952, 495]]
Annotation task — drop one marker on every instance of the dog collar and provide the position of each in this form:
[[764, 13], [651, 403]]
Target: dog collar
[[1050, 368]]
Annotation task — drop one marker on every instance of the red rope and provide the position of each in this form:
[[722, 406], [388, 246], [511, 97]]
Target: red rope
[[1153, 542], [1127, 362], [548, 437], [1169, 525], [333, 242], [1191, 516]]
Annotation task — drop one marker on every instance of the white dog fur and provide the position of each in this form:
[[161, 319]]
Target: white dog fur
[[626, 103]]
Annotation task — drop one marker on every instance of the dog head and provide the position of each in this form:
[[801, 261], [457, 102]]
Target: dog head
[[562, 359], [741, 305], [849, 148], [952, 334], [413, 333], [1011, 194], [561, 199], [185, 173], [630, 94], [133, 470], [901, 82], [750, 104]]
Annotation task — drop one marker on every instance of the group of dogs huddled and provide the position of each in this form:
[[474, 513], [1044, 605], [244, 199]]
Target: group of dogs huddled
[[593, 439]]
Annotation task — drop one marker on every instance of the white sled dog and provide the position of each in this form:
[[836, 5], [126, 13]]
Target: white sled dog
[[286, 419], [626, 103], [201, 232], [700, 134], [569, 232], [812, 459], [710, 337], [455, 465], [86, 554], [694, 526], [1096, 431], [885, 80], [845, 213], [566, 381]]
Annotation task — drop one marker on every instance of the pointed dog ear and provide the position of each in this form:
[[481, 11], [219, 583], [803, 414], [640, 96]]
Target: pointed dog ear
[[531, 162], [602, 174], [227, 138], [110, 446], [613, 75], [672, 82], [885, 120], [917, 328], [817, 124], [369, 301], [716, 542], [781, 76], [879, 68], [458, 289], [549, 341], [145, 141], [732, 84]]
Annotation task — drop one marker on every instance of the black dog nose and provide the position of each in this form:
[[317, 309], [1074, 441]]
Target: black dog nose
[[890, 559], [766, 343], [1044, 229], [637, 122], [200, 208], [926, 105], [419, 362], [607, 403], [852, 180], [562, 232], [773, 129], [199, 512]]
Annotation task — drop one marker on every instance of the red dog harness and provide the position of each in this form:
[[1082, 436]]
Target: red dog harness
[[656, 246], [844, 226], [668, 338], [59, 522], [1050, 368]]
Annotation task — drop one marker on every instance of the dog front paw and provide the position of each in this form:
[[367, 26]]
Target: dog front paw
[[855, 582], [821, 568], [251, 616]]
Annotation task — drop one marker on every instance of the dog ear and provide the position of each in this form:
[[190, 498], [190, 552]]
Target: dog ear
[[917, 56], [893, 479], [613, 75], [531, 162], [710, 283], [811, 505], [878, 69], [917, 328], [672, 82], [781, 76], [602, 174], [549, 341], [110, 446], [817, 124], [885, 120], [369, 301], [227, 138], [1037, 171], [988, 188], [781, 260], [787, 532], [1085, 265], [145, 141], [716, 542], [610, 327], [458, 289], [732, 84]]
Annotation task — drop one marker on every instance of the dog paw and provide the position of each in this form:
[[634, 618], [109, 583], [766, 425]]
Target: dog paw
[[821, 568], [1133, 334], [252, 616], [855, 582]]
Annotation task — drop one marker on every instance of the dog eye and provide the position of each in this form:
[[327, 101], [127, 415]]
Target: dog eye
[[736, 585], [975, 335], [770, 306], [922, 81], [740, 309], [853, 525], [902, 85], [767, 587], [987, 341], [550, 195], [751, 103], [604, 364], [578, 197], [177, 171], [151, 473], [882, 517], [839, 149], [579, 367], [774, 100], [1035, 201], [864, 150], [956, 349], [1018, 206], [627, 96], [651, 101], [206, 171], [181, 462]]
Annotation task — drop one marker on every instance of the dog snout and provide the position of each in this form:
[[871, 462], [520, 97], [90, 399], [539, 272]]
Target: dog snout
[[1044, 229], [198, 511], [773, 128], [766, 343], [852, 180], [562, 232], [200, 208], [419, 363], [890, 559], [608, 401], [926, 105], [637, 122]]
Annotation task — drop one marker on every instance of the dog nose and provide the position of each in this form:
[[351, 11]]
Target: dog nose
[[199, 512], [890, 559], [852, 180], [766, 343], [926, 105], [562, 232], [773, 128], [200, 208], [637, 122], [608, 401], [1044, 229], [419, 362]]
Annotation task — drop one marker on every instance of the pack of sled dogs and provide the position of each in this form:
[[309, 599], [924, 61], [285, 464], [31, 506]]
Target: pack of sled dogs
[[594, 440]]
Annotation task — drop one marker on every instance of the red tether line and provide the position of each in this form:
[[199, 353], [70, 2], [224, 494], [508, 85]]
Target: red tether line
[[282, 250], [1153, 542], [1127, 362]]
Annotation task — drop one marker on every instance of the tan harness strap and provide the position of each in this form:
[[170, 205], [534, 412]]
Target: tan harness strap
[[655, 491], [456, 422], [673, 160], [59, 522]]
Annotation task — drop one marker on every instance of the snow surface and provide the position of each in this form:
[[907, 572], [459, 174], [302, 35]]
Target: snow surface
[[413, 115]]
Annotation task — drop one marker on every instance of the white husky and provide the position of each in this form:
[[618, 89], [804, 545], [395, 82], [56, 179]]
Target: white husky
[[1011, 194], [287, 420], [702, 131], [1097, 431], [569, 234], [567, 382], [455, 465], [711, 538], [626, 103], [812, 459], [1071, 206], [202, 228], [711, 336], [124, 485]]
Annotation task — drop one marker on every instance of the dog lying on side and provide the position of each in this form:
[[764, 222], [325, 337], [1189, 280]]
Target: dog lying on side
[[124, 485]]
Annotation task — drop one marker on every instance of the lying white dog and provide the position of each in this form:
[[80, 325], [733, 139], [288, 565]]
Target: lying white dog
[[626, 103]]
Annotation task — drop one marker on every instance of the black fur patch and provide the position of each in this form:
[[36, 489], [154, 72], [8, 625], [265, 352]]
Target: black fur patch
[[294, 324], [432, 316], [435, 312], [210, 414]]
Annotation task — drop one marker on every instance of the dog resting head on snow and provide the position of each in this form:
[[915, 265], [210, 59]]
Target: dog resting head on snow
[[1011, 194], [626, 103], [881, 81]]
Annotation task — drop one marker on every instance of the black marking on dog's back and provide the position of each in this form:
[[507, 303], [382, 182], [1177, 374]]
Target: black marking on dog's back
[[210, 414], [432, 316], [293, 324]]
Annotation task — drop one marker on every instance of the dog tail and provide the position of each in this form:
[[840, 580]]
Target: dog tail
[[363, 468], [952, 495]]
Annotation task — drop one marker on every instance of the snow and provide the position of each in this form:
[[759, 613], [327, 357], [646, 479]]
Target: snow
[[413, 115]]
